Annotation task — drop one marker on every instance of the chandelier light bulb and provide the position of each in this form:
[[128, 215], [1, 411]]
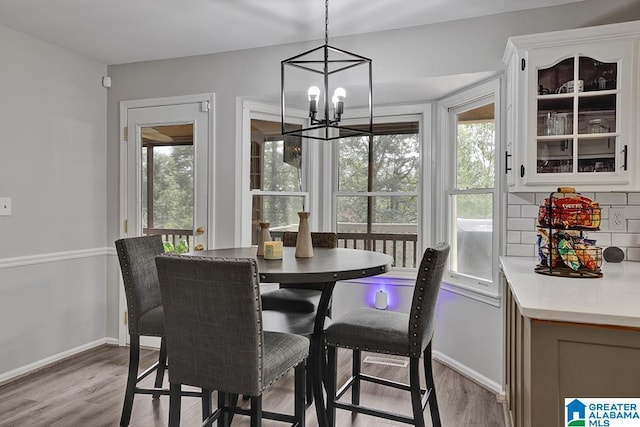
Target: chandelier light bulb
[[339, 94], [313, 93], [338, 102]]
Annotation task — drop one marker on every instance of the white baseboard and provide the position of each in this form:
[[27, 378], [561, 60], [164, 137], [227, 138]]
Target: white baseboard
[[43, 363], [473, 375]]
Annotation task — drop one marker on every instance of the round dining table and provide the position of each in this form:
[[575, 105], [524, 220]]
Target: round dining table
[[326, 267]]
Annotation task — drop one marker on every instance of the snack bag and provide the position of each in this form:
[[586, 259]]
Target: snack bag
[[568, 254], [584, 255], [570, 212]]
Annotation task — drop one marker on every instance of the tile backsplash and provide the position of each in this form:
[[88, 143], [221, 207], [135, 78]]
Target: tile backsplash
[[522, 214]]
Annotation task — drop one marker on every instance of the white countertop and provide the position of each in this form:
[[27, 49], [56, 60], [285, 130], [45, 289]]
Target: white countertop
[[610, 300]]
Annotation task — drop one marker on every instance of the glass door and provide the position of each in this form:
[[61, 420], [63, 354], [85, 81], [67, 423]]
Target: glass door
[[167, 162]]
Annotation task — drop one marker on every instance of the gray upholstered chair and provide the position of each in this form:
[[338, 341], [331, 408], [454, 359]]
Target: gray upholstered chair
[[144, 314], [388, 332], [298, 298], [215, 340]]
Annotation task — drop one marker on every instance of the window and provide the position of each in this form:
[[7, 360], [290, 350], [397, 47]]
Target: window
[[376, 201], [276, 178], [367, 189], [469, 188]]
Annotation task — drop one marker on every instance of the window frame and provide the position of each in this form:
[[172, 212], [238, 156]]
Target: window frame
[[253, 110], [482, 94], [420, 113]]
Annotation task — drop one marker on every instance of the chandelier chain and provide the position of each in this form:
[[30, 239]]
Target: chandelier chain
[[326, 21]]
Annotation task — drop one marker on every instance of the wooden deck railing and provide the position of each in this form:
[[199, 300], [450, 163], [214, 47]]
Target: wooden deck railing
[[173, 235], [401, 246]]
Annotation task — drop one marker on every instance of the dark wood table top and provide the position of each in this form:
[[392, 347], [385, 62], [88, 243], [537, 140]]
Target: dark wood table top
[[327, 265]]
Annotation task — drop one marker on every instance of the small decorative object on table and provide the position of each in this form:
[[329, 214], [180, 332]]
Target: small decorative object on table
[[263, 236], [273, 250], [563, 250], [304, 246]]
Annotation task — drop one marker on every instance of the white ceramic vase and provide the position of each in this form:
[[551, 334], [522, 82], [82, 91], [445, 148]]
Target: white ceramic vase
[[263, 236], [304, 247]]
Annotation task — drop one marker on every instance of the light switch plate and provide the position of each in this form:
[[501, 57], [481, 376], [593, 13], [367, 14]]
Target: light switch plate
[[5, 206]]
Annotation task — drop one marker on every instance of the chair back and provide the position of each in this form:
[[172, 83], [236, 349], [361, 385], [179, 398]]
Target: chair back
[[425, 296], [319, 239], [137, 263], [213, 322]]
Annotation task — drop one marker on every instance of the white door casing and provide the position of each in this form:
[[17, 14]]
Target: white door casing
[[138, 114]]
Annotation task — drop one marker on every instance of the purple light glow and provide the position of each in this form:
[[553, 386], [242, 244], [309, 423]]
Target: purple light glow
[[380, 285]]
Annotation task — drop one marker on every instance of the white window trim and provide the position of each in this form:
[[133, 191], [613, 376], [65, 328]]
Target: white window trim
[[249, 110], [490, 294], [392, 113]]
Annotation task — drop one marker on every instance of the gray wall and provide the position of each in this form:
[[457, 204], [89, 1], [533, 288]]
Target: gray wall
[[53, 165]]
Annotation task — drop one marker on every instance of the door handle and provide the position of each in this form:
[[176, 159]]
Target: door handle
[[199, 248], [200, 231]]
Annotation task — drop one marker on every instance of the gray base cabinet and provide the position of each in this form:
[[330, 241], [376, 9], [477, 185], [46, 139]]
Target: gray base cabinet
[[547, 361]]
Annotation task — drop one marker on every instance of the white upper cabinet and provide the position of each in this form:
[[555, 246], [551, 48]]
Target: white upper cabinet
[[573, 109]]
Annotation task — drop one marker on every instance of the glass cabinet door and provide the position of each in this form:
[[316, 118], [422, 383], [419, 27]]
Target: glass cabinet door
[[576, 117], [577, 101]]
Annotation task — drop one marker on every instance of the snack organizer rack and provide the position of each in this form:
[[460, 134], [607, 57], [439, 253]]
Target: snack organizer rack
[[563, 250]]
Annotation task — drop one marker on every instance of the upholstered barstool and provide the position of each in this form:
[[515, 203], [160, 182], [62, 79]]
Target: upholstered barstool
[[215, 339], [388, 332], [145, 315]]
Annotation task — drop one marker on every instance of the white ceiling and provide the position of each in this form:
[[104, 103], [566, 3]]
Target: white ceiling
[[123, 31]]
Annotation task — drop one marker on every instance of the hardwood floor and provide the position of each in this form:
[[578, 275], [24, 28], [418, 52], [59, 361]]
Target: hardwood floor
[[87, 390]]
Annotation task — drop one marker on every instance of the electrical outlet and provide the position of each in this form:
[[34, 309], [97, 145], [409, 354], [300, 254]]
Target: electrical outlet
[[617, 219]]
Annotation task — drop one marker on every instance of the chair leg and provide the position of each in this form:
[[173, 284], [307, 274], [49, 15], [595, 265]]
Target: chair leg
[[256, 411], [162, 366], [416, 396], [223, 402], [309, 386], [175, 396], [206, 404], [132, 378], [355, 372], [431, 387], [300, 374], [332, 365], [226, 400]]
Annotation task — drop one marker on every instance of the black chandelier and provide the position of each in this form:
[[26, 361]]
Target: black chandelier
[[321, 70]]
